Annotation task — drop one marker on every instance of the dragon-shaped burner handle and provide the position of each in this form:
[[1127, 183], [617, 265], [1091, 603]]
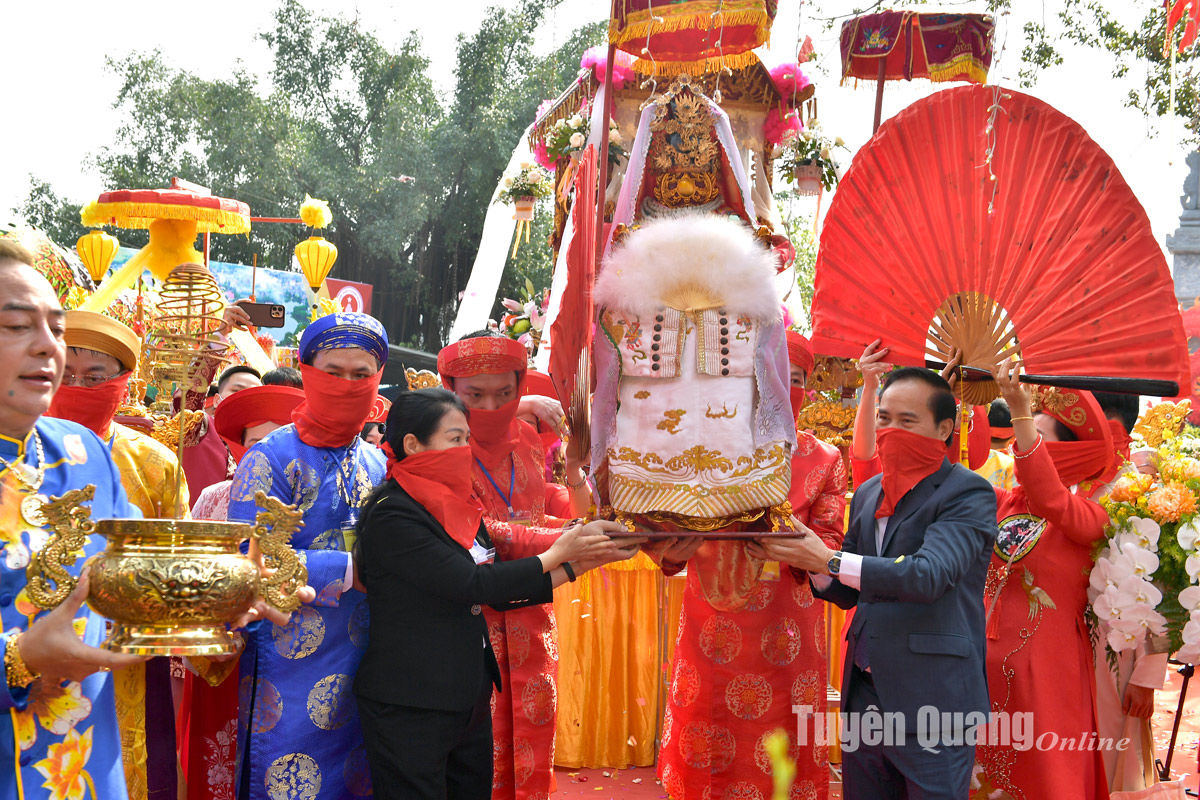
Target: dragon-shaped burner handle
[[273, 529], [72, 524]]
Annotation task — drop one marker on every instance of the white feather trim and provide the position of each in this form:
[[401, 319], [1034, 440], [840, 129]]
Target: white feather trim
[[717, 254]]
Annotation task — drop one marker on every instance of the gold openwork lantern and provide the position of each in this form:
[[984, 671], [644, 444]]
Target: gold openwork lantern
[[97, 250]]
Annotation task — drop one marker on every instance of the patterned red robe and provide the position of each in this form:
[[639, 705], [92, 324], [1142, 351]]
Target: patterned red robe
[[525, 641], [736, 674], [1039, 653]]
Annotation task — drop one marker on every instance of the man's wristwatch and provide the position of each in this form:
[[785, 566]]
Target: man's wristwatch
[[835, 563]]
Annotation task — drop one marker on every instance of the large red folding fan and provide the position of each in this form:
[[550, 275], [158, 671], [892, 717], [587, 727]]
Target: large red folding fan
[[1062, 268]]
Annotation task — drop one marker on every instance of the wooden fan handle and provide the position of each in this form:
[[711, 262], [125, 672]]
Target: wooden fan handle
[[1091, 383]]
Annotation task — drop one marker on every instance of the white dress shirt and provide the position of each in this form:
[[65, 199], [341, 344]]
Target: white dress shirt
[[850, 573]]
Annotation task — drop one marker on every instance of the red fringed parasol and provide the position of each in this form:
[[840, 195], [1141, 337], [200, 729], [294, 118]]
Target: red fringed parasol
[[905, 45], [694, 36], [1064, 269], [571, 333]]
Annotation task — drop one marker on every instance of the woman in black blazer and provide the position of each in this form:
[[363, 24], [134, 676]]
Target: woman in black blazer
[[425, 682]]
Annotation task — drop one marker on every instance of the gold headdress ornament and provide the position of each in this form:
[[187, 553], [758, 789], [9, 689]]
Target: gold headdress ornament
[[683, 150], [423, 379], [1159, 419]]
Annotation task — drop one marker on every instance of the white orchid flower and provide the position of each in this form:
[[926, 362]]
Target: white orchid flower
[[1189, 598], [1121, 640], [1192, 565], [1099, 577], [1144, 562], [1137, 590], [1126, 538], [1189, 534], [1121, 566], [1147, 531], [1189, 653], [1105, 608], [1140, 616]]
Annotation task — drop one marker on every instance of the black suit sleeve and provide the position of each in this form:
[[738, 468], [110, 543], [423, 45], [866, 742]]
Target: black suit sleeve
[[965, 527], [402, 542], [837, 592]]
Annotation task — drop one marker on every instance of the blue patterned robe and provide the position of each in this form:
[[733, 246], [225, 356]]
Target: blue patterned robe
[[295, 695], [45, 727]]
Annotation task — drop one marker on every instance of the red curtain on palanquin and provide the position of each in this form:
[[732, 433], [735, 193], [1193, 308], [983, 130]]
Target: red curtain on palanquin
[[939, 47], [692, 35]]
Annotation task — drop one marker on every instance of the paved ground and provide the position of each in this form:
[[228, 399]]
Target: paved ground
[[639, 783]]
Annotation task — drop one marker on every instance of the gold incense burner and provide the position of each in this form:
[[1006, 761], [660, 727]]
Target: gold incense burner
[[169, 586]]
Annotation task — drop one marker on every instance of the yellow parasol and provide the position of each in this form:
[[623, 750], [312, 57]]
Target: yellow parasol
[[174, 216]]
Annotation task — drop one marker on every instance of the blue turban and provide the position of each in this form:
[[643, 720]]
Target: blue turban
[[341, 330]]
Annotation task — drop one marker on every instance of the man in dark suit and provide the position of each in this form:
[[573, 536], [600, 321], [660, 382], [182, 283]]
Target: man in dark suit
[[913, 563]]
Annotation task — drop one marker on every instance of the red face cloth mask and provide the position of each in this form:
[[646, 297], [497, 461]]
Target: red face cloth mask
[[907, 458], [494, 434], [1077, 462], [334, 409], [440, 480], [91, 406], [799, 397]]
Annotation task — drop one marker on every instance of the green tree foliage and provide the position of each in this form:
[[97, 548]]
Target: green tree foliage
[[1137, 50], [44, 209], [344, 118], [799, 229]]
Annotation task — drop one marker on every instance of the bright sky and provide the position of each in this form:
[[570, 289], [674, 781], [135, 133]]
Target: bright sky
[[59, 94]]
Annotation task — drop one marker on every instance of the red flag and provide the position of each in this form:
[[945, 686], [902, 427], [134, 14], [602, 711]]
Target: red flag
[[571, 333], [1187, 12]]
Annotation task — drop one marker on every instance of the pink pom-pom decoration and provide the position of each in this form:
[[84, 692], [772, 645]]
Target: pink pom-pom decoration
[[596, 60], [539, 151], [777, 126], [541, 156], [790, 80]]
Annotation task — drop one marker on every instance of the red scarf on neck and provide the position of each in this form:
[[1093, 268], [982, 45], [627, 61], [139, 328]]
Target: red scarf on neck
[[907, 458], [93, 407], [440, 480], [334, 409]]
